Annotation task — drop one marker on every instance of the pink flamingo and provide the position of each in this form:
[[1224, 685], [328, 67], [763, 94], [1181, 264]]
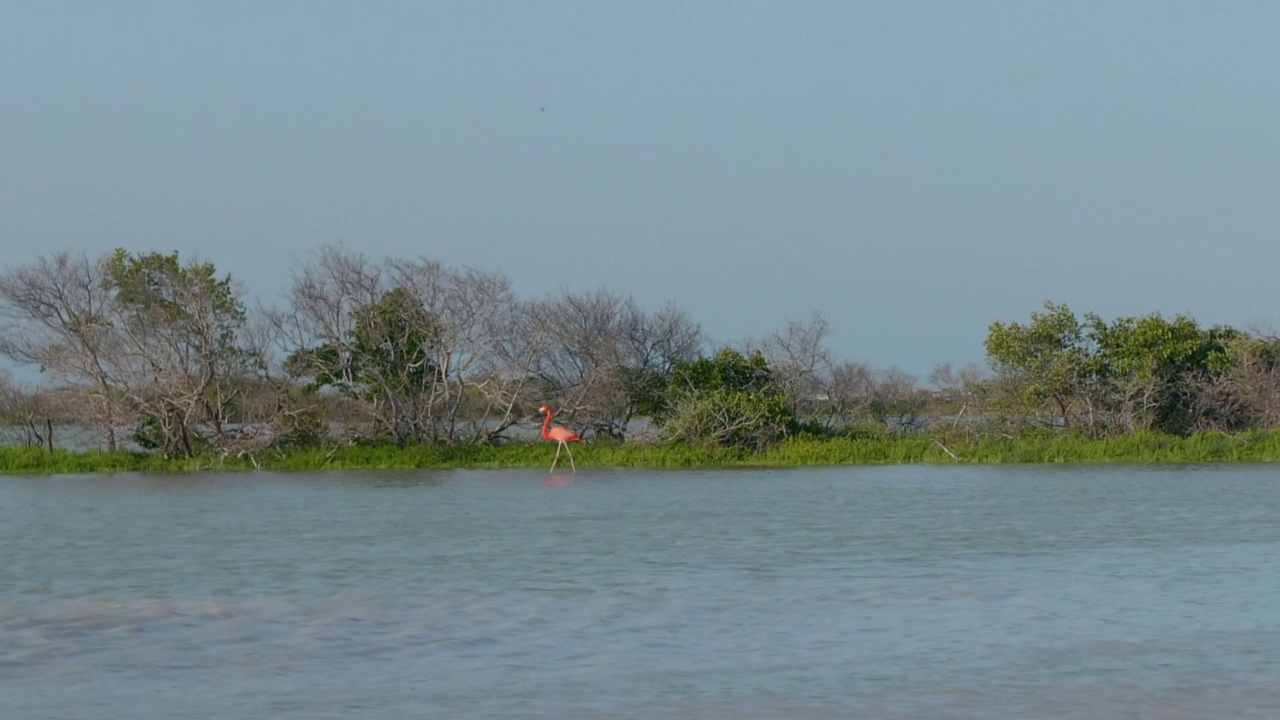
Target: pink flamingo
[[562, 435]]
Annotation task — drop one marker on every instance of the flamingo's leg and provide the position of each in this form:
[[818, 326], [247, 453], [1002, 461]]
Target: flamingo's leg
[[566, 449], [553, 462]]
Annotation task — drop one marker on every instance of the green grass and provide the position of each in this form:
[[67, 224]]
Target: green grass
[[800, 452]]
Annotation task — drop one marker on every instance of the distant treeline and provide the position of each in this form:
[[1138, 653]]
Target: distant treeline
[[162, 353]]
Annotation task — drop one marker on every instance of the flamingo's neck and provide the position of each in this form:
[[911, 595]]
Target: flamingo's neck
[[546, 425]]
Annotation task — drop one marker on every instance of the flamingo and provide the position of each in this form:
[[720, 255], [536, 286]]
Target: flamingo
[[562, 435]]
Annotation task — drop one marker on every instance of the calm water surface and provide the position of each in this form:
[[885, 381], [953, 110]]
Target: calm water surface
[[902, 592]]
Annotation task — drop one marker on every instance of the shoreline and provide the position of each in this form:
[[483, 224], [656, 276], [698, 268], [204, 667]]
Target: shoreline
[[801, 452]]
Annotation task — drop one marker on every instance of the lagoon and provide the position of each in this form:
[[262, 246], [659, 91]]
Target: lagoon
[[844, 592]]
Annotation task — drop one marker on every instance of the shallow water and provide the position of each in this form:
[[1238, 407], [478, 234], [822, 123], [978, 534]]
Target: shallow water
[[900, 592]]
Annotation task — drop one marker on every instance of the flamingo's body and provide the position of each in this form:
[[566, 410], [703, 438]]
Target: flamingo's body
[[562, 435]]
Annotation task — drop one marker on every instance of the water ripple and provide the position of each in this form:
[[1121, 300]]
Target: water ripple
[[877, 593]]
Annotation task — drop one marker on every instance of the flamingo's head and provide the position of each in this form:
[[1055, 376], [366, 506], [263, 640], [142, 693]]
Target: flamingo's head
[[544, 410]]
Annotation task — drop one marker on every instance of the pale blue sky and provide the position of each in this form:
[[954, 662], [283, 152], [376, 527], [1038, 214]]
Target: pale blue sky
[[915, 170]]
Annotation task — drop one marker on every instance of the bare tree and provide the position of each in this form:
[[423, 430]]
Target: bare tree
[[653, 346], [802, 365], [602, 360], [898, 403], [1247, 394], [55, 314], [890, 398], [959, 394], [851, 393], [26, 416], [660, 341], [471, 310], [505, 381], [580, 342]]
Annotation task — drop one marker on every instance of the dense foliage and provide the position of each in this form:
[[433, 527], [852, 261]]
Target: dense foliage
[[1133, 373]]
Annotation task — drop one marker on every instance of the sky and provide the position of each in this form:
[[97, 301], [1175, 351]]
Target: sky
[[913, 170]]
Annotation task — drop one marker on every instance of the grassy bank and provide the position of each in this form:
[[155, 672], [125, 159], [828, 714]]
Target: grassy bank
[[1144, 448]]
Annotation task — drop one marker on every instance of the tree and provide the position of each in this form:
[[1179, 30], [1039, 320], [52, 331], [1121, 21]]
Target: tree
[[388, 361], [728, 400], [55, 316], [653, 347], [1245, 395], [1047, 360], [175, 351], [484, 385], [604, 360], [896, 400], [26, 417], [355, 329], [961, 393], [802, 366], [1154, 368], [852, 392], [579, 337], [143, 340], [423, 348]]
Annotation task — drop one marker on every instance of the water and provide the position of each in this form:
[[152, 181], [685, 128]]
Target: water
[[902, 592]]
